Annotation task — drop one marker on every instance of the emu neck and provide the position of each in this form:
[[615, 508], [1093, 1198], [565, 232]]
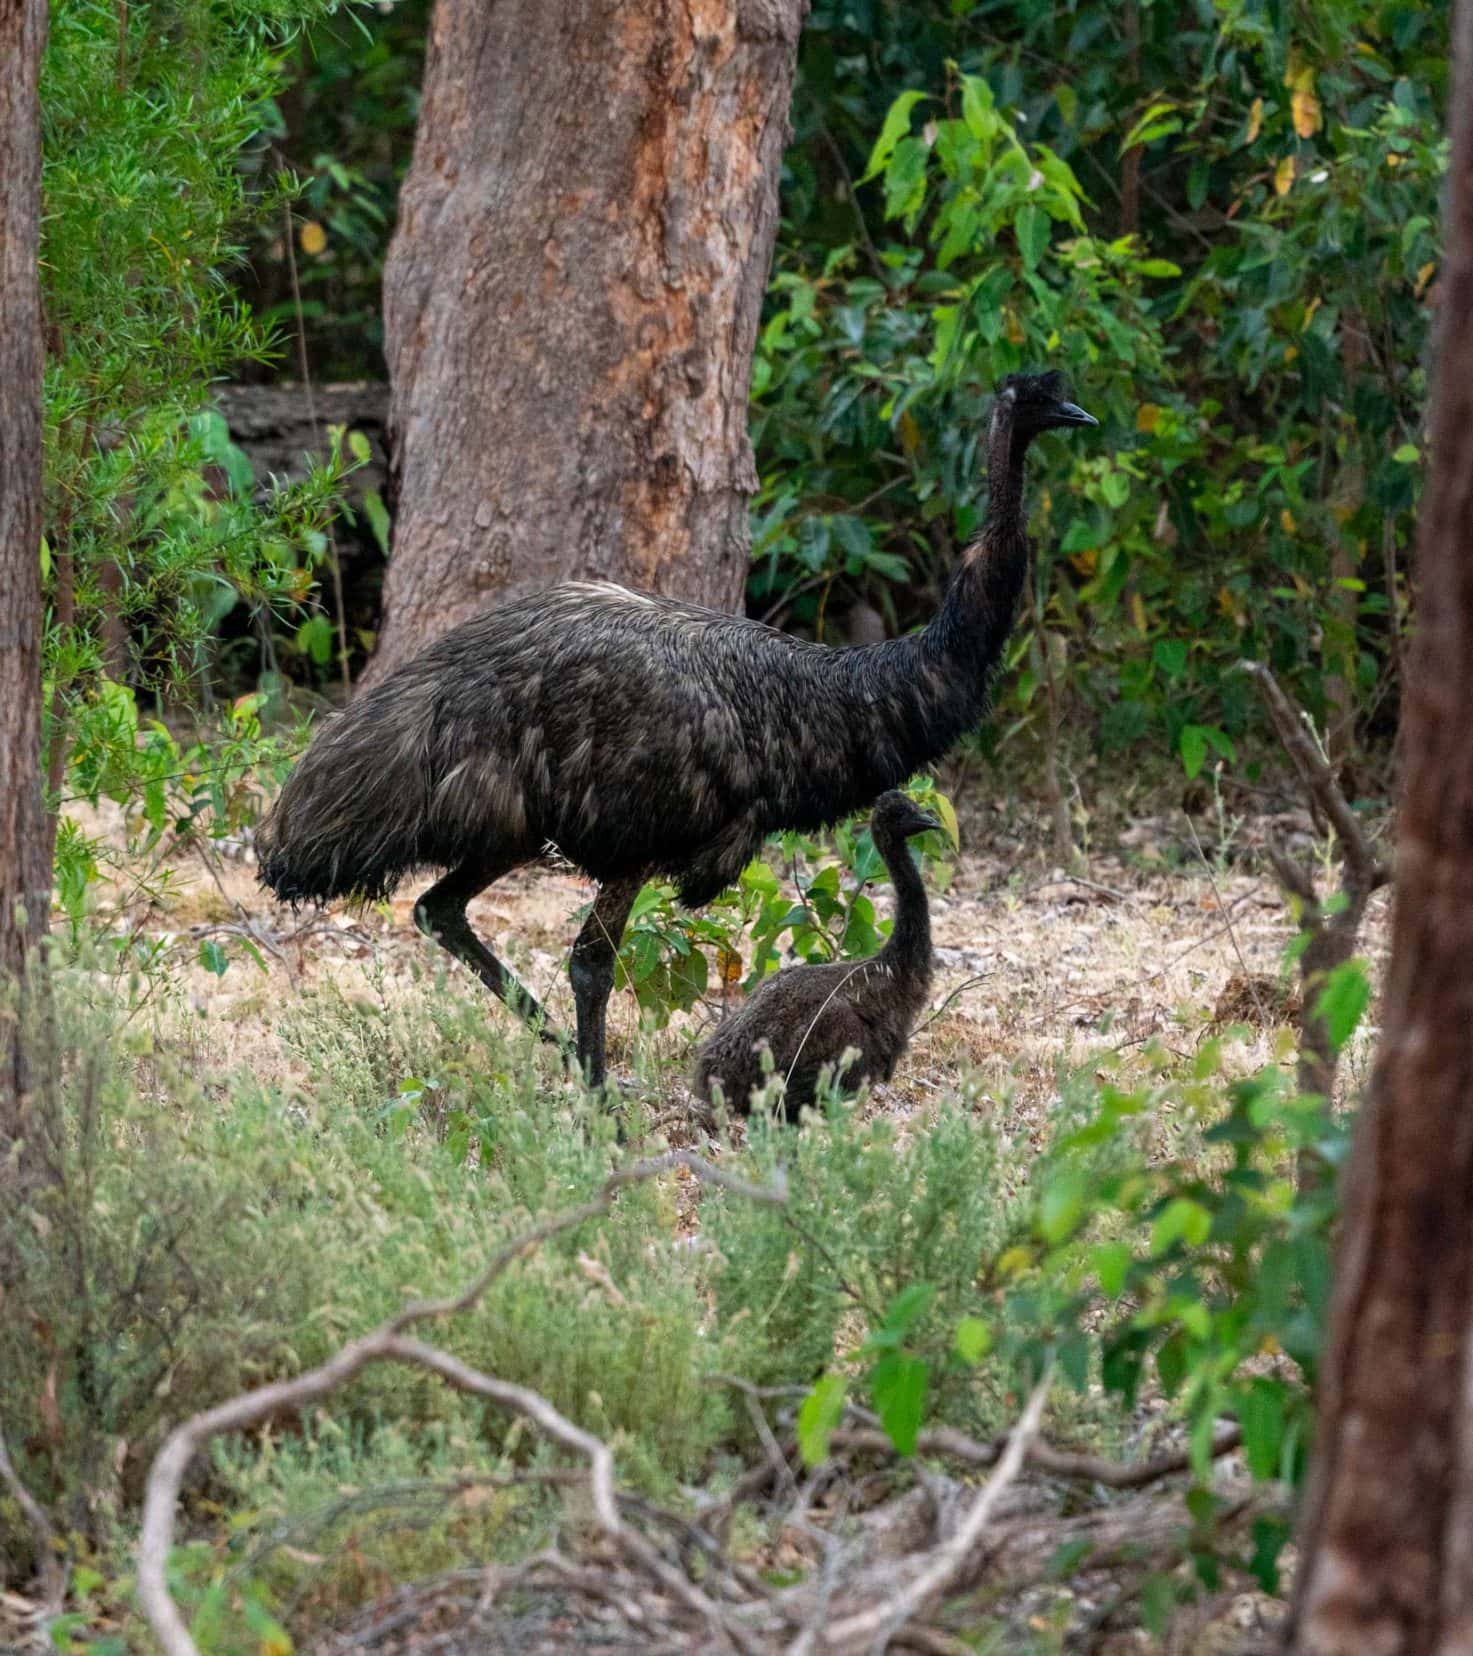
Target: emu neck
[[908, 950], [968, 632]]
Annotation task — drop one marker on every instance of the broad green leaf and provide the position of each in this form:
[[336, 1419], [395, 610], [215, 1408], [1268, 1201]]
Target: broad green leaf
[[1182, 1220], [1062, 1205], [1261, 1415], [1192, 744], [1343, 1001], [213, 958], [973, 1339], [897, 124], [1111, 1262], [1170, 655], [898, 1388]]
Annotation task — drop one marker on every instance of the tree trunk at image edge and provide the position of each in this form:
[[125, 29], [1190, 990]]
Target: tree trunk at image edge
[[571, 300], [25, 885], [1387, 1530]]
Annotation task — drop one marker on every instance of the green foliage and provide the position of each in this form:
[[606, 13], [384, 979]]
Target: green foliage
[[668, 954], [156, 532], [1250, 325]]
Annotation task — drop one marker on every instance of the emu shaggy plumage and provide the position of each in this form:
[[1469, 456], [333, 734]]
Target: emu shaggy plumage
[[809, 1016], [637, 735]]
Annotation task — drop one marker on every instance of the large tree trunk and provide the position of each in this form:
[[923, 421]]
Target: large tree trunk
[[1387, 1538], [25, 883], [572, 297]]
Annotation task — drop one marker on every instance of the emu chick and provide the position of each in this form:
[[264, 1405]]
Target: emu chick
[[808, 1016]]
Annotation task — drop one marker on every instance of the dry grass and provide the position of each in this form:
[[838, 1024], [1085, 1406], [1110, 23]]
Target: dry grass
[[1036, 968]]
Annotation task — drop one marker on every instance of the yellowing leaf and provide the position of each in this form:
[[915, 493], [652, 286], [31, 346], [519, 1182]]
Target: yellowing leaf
[[1309, 311], [728, 965], [1290, 352], [1147, 417], [1086, 562], [1255, 120], [1306, 110], [1286, 521], [946, 811], [1284, 175], [1424, 275], [312, 237], [1013, 328], [910, 432], [1298, 73], [1393, 159], [1137, 612]]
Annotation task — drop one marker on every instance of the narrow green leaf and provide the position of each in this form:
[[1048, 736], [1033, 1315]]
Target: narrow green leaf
[[821, 1412]]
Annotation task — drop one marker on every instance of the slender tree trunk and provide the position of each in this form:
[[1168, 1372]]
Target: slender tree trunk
[[24, 872], [572, 296], [1387, 1536]]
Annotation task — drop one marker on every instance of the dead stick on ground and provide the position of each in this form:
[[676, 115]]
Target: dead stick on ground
[[883, 1620], [1042, 1456], [387, 1343]]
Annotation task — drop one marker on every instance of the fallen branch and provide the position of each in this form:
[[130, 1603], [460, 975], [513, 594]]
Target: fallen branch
[[879, 1623], [1042, 1456], [388, 1343]]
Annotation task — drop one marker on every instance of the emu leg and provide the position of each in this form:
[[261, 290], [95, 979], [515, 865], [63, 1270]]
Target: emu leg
[[591, 970], [440, 914]]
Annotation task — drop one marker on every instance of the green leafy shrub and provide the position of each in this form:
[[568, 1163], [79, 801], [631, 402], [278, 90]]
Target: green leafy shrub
[[668, 952]]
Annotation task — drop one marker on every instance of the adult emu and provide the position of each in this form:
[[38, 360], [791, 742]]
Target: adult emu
[[638, 735], [810, 1015]]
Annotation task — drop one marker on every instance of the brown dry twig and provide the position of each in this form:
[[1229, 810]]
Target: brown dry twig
[[1333, 926], [879, 1624], [1042, 1455], [389, 1343]]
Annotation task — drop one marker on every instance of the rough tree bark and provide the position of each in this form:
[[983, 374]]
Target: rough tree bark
[[1387, 1532], [25, 883], [572, 296]]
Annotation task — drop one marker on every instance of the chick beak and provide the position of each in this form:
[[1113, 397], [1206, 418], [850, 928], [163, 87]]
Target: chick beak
[[1067, 413]]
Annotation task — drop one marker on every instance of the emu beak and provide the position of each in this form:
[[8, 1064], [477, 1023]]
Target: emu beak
[[1067, 413]]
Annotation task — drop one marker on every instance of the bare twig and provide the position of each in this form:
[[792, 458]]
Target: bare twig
[[1318, 778], [882, 1620], [752, 1397], [1248, 979], [1333, 927], [388, 1343], [48, 1551], [941, 1011]]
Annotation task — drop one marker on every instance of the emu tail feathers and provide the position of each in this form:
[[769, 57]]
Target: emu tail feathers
[[352, 818]]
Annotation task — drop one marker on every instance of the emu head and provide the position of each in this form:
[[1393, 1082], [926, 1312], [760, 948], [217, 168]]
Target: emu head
[[897, 817], [1029, 403]]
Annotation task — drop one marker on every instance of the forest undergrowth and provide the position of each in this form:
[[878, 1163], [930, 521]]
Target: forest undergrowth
[[286, 1126]]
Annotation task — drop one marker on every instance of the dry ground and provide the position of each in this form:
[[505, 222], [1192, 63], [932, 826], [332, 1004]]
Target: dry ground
[[1172, 932]]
